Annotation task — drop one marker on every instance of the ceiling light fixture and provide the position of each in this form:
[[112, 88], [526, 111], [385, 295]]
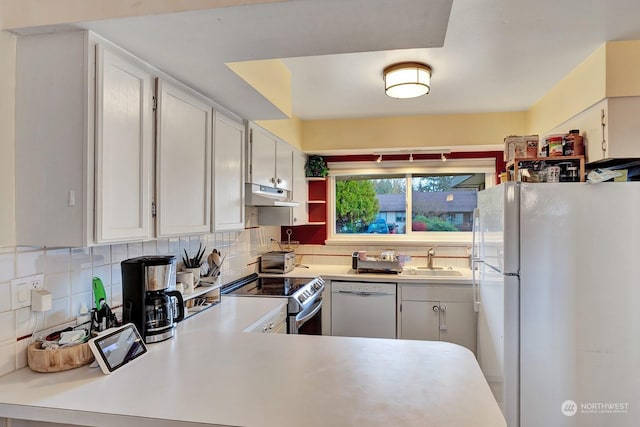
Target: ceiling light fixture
[[407, 80], [379, 159], [443, 157]]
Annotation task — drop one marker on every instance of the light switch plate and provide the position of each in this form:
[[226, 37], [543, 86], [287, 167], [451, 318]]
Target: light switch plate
[[21, 290]]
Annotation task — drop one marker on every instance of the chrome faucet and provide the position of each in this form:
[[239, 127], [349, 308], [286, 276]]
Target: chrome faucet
[[430, 254]]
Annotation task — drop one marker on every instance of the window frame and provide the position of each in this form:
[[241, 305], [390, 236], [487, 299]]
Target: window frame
[[487, 166]]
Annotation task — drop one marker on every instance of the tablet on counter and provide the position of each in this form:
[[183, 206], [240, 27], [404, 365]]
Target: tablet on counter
[[116, 347]]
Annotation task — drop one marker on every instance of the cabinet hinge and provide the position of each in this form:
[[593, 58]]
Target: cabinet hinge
[[155, 103], [153, 209]]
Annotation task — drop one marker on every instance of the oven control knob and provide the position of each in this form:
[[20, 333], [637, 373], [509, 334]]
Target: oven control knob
[[301, 298]]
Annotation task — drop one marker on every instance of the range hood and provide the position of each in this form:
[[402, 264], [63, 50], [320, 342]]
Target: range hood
[[262, 195]]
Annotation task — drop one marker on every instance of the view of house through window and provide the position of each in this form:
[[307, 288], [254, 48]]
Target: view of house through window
[[405, 204]]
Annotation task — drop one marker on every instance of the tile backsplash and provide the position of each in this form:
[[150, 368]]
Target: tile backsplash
[[456, 256], [68, 274]]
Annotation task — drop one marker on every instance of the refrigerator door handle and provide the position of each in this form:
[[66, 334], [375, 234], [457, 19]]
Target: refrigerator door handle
[[474, 234], [475, 260], [475, 286]]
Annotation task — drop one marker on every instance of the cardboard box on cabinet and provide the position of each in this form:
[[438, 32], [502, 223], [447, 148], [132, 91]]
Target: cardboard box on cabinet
[[520, 146]]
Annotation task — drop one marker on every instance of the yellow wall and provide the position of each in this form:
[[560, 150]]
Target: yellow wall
[[580, 89], [270, 77], [623, 63], [290, 130], [454, 130], [7, 138], [30, 13], [273, 80]]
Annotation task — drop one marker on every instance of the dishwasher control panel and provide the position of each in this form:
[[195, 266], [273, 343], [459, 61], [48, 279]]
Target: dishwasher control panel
[[363, 287]]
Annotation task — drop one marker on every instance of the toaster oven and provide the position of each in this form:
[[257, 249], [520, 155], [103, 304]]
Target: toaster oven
[[277, 262]]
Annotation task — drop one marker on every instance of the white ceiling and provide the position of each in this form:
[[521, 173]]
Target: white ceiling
[[497, 55]]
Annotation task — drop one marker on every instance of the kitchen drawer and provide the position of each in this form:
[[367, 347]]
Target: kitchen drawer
[[424, 292], [271, 322]]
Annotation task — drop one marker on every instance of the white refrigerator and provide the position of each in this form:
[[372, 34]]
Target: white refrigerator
[[557, 288]]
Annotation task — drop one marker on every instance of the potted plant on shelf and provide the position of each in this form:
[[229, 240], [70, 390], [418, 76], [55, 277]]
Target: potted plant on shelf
[[316, 167]]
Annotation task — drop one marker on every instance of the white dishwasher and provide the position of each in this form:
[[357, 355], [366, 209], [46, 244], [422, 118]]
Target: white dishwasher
[[363, 309]]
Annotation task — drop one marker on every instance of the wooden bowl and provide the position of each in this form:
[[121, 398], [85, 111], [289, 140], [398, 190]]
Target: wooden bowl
[[57, 360]]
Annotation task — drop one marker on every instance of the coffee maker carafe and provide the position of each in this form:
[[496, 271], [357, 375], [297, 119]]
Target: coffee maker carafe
[[148, 303]]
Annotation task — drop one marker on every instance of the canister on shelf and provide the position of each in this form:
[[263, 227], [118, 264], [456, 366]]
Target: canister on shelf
[[553, 174], [555, 146], [574, 144], [544, 148]]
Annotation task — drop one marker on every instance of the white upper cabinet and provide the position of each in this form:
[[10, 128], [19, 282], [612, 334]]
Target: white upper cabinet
[[262, 157], [183, 162], [83, 142], [123, 148], [288, 216], [284, 165], [618, 138], [300, 189], [270, 159], [228, 171]]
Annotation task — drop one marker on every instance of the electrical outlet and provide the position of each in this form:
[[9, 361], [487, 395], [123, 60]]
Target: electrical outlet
[[21, 290]]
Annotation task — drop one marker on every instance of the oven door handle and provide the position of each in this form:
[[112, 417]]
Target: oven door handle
[[316, 308]]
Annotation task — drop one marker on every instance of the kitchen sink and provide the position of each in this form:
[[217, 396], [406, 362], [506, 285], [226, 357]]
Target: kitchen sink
[[436, 272]]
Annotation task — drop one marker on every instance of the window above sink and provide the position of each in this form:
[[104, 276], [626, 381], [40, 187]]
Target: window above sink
[[409, 202]]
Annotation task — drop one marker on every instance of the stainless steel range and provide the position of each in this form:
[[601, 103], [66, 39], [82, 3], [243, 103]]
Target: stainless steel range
[[304, 298]]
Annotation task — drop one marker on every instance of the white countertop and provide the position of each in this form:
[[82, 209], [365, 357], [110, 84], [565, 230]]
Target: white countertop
[[211, 373], [336, 272]]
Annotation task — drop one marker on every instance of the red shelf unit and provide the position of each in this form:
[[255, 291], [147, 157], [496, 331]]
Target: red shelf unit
[[317, 203], [315, 232]]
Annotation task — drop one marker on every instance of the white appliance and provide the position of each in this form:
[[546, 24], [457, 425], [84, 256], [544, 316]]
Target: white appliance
[[363, 309], [557, 298]]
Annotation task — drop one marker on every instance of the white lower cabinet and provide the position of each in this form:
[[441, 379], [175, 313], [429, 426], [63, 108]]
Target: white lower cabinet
[[438, 313], [274, 322], [183, 162]]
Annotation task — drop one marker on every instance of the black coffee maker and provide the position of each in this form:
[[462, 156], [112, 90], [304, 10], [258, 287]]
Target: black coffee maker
[[147, 302]]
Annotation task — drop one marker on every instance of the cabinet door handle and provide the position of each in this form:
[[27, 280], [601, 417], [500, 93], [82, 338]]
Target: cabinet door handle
[[443, 318], [436, 308], [279, 181], [273, 180]]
